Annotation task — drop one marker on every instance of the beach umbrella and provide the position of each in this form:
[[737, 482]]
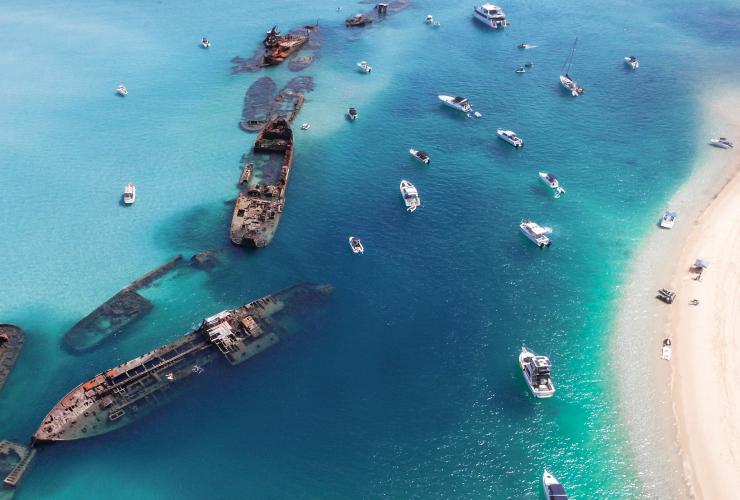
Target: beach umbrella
[[701, 264]]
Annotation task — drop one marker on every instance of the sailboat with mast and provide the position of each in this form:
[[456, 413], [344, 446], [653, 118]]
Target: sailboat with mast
[[566, 80]]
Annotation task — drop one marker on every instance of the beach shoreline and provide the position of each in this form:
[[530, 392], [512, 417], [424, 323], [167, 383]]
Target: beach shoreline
[[667, 408]]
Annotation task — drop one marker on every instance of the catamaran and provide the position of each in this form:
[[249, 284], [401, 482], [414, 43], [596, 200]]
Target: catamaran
[[566, 80], [410, 196]]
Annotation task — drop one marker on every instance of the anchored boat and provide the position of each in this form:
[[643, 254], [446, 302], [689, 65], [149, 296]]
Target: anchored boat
[[458, 103], [552, 182], [552, 487], [536, 372], [122, 90], [535, 232], [510, 137], [421, 156], [356, 245], [205, 43], [364, 67], [632, 62], [410, 195], [491, 15], [565, 79], [125, 393], [129, 194]]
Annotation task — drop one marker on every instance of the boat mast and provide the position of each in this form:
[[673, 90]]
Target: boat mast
[[569, 61]]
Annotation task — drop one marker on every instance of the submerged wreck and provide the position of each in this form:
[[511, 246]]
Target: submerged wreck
[[11, 343], [379, 12], [14, 461], [265, 178], [261, 105], [116, 313], [125, 393]]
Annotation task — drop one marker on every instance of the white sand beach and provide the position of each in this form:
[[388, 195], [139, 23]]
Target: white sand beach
[[706, 341], [686, 410]]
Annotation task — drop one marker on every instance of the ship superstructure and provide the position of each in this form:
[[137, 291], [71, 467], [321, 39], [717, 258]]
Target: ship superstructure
[[121, 395]]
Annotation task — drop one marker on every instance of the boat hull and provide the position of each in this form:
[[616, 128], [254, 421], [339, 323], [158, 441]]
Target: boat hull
[[522, 365]]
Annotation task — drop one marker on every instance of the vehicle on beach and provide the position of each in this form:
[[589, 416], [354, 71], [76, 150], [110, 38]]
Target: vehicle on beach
[[666, 350], [536, 372], [552, 182], [632, 62], [565, 79], [421, 156], [667, 296], [668, 220], [721, 142], [535, 232], [410, 195], [553, 489], [458, 103], [356, 245], [205, 43], [352, 114], [129, 194], [364, 67], [121, 90], [491, 15], [510, 137]]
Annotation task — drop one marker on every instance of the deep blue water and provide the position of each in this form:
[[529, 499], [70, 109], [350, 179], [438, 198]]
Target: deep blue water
[[405, 385]]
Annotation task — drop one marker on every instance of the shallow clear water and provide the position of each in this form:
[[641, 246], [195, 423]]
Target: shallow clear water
[[408, 386]]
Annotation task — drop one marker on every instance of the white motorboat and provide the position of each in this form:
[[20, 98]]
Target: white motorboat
[[553, 489], [510, 137], [668, 220], [524, 46], [535, 232], [205, 43], [566, 80], [410, 196], [536, 372], [121, 90], [491, 15], [721, 142], [429, 19], [552, 182], [520, 70], [356, 245], [458, 103], [632, 62], [421, 156], [305, 126], [436, 24], [666, 351], [352, 114], [364, 67], [129, 194]]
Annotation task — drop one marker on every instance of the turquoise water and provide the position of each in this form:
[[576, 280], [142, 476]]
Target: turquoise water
[[408, 387]]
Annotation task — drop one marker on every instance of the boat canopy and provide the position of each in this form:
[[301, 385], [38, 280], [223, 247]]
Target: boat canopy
[[556, 492], [460, 100], [671, 214], [701, 264]]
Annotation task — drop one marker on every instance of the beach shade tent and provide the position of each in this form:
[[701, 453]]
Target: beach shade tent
[[701, 264]]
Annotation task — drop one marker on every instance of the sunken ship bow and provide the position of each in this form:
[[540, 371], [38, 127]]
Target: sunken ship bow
[[280, 47], [257, 212], [125, 393]]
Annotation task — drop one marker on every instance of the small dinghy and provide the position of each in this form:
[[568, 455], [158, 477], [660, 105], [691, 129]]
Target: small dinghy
[[520, 70], [306, 126], [421, 156], [352, 114], [632, 62], [205, 43], [356, 245], [410, 195], [129, 194], [666, 351], [121, 90], [429, 19], [364, 67]]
